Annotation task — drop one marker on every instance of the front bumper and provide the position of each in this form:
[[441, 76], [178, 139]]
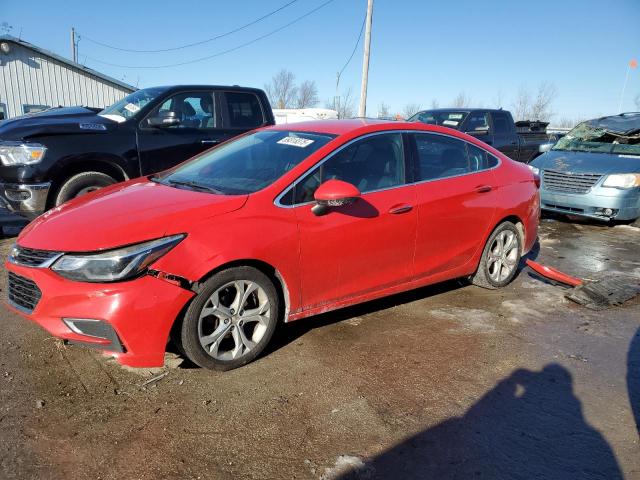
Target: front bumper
[[624, 205], [28, 200], [140, 312]]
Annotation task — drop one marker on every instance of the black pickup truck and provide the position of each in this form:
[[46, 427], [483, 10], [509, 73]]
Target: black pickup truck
[[520, 141], [52, 156]]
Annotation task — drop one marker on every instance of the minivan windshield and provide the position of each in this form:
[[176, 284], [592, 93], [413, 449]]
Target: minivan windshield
[[246, 164], [588, 138], [131, 104], [447, 118]]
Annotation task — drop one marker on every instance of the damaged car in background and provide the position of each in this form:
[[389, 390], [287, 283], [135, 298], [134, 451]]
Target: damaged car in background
[[594, 171]]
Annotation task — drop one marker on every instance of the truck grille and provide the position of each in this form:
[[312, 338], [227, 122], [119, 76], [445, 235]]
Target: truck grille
[[23, 293], [30, 257], [569, 182]]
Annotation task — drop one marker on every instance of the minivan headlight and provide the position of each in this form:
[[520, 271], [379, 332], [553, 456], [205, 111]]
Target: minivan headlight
[[17, 153], [622, 180], [535, 170], [114, 265]]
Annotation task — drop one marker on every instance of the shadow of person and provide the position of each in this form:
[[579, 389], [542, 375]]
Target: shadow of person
[[633, 377], [530, 425]]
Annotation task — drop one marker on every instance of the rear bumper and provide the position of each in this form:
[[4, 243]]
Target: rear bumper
[[28, 200], [624, 206], [140, 313]]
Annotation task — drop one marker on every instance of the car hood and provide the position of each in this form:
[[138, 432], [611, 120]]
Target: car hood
[[586, 162], [123, 214], [57, 121]]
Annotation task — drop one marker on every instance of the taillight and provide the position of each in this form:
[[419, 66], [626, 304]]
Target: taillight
[[536, 179]]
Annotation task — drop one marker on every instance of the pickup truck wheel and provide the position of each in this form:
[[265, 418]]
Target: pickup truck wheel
[[500, 258], [81, 184], [231, 320]]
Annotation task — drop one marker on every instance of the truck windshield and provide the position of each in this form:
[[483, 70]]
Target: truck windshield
[[447, 118], [587, 138], [131, 104], [246, 164]]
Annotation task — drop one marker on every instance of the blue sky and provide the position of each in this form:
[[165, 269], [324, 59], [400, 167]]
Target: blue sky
[[421, 50]]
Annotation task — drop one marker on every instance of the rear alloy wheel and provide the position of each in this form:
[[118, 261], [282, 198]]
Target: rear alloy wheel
[[500, 258], [231, 320], [81, 184]]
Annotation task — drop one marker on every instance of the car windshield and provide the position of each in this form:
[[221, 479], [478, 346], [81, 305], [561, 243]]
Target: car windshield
[[247, 164], [447, 118], [587, 138], [131, 104]]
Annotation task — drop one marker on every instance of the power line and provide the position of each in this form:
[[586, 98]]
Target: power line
[[224, 52], [187, 45], [355, 47]]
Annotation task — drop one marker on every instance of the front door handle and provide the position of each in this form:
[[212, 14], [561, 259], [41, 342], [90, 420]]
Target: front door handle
[[209, 142], [483, 188], [401, 208]]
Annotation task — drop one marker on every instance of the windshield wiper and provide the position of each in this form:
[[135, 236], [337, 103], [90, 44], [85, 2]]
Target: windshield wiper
[[195, 185]]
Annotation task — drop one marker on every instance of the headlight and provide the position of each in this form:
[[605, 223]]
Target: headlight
[[622, 180], [113, 265], [16, 153], [535, 170]]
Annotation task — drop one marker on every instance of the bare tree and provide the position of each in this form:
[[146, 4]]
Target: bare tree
[[282, 89], [462, 100], [521, 106], [498, 100], [343, 104], [410, 109], [5, 28], [541, 108], [566, 122], [435, 103], [637, 101], [307, 95], [383, 110]]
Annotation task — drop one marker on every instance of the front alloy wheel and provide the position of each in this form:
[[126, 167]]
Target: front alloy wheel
[[231, 320]]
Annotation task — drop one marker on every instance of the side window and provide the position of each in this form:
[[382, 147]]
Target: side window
[[243, 110], [3, 111], [501, 123], [373, 163], [194, 109], [26, 108], [477, 121], [440, 156], [479, 159]]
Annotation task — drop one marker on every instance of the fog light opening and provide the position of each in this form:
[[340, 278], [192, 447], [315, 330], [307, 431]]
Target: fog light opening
[[106, 337], [18, 195]]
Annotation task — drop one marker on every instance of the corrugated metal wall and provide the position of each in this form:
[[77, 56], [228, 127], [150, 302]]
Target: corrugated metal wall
[[28, 77]]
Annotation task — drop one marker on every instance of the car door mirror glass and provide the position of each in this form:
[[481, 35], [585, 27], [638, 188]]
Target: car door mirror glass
[[334, 193], [164, 119]]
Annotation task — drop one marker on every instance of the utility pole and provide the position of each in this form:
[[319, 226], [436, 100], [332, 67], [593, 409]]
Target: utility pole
[[74, 54], [362, 111]]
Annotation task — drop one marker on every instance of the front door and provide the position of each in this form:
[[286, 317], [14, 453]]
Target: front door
[[198, 129], [367, 246]]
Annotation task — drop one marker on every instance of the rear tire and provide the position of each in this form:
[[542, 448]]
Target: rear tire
[[500, 258], [231, 320], [81, 184]]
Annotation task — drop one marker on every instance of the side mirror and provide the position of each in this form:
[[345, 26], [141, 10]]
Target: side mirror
[[164, 119], [334, 193], [545, 147]]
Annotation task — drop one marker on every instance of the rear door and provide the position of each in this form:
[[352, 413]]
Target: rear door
[[199, 129], [505, 137], [240, 112], [456, 201]]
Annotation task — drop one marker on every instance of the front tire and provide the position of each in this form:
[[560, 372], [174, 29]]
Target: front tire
[[81, 184], [231, 320], [500, 258]]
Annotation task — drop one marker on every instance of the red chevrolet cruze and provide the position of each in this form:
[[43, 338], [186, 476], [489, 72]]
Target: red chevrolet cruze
[[279, 224]]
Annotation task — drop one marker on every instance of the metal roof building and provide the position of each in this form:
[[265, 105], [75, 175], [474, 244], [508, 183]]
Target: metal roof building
[[33, 79]]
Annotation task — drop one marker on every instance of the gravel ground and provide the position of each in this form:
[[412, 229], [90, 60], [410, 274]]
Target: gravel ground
[[450, 381]]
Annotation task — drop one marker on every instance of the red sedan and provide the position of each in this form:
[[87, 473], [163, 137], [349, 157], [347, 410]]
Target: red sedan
[[276, 225]]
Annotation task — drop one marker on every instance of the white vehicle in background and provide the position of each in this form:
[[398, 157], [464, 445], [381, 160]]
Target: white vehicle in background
[[295, 115]]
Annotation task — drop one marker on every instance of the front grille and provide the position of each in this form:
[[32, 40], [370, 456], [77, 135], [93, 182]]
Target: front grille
[[23, 292], [569, 182], [30, 257]]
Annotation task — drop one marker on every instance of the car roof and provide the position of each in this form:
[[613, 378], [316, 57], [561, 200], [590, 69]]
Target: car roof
[[362, 125], [622, 124], [232, 88]]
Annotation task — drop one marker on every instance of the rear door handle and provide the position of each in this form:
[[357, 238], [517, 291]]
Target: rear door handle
[[209, 142], [483, 188], [401, 208]]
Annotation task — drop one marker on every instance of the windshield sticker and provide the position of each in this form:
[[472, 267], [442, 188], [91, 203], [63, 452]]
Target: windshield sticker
[[295, 142], [450, 122], [455, 115], [92, 126], [132, 107]]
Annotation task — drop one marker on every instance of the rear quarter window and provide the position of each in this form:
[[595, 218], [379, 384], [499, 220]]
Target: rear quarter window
[[243, 110]]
